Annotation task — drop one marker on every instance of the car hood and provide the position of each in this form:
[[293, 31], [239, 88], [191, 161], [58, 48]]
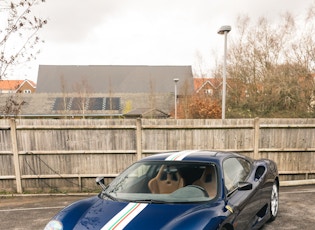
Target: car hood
[[96, 213]]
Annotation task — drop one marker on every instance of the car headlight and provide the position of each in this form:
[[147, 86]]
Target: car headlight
[[54, 225]]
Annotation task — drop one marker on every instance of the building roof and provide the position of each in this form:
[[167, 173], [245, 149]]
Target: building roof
[[10, 84], [200, 83], [75, 105], [14, 84], [147, 113], [214, 83], [108, 78]]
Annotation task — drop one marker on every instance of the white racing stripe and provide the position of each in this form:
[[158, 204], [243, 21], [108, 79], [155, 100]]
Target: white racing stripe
[[127, 214], [178, 156]]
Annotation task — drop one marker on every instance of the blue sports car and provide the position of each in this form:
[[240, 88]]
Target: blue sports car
[[194, 189]]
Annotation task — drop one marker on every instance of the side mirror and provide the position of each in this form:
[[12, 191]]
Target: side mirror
[[100, 181], [259, 172], [244, 186]]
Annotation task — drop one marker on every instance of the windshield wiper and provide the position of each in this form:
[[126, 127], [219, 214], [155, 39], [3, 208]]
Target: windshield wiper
[[150, 201], [105, 193]]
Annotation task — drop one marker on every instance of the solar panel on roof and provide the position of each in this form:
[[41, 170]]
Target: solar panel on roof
[[96, 103], [61, 103], [112, 103], [78, 103], [93, 103]]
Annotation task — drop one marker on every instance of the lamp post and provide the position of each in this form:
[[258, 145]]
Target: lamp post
[[176, 80], [224, 31]]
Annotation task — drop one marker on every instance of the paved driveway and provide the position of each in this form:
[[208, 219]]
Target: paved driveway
[[297, 210]]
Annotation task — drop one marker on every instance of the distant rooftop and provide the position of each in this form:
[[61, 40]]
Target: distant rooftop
[[13, 84], [111, 79]]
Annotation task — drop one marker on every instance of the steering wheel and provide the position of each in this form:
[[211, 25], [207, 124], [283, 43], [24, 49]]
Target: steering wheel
[[200, 188]]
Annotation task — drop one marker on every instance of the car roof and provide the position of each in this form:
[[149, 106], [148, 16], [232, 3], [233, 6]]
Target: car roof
[[192, 155]]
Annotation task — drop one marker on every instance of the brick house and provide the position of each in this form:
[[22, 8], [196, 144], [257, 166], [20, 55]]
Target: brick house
[[17, 86]]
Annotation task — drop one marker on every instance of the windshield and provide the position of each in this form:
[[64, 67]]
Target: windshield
[[159, 182]]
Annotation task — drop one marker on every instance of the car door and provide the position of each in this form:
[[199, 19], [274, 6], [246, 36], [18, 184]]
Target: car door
[[243, 200]]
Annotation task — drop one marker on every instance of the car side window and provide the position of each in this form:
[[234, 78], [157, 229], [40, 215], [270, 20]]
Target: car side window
[[235, 170]]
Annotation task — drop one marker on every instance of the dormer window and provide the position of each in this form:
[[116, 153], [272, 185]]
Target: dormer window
[[208, 91]]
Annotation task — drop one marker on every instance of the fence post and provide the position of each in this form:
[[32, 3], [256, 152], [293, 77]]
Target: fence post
[[256, 138], [15, 156], [139, 138]]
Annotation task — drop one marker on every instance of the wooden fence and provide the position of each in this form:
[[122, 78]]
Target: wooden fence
[[38, 155]]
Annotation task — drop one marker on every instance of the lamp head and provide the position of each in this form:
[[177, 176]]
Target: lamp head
[[224, 29]]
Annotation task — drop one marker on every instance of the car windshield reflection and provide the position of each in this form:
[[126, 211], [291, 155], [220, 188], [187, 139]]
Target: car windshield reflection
[[163, 182]]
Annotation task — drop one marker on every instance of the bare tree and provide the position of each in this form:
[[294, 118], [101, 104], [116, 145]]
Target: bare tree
[[18, 33], [152, 96], [13, 105], [65, 96], [200, 70], [83, 92], [269, 69]]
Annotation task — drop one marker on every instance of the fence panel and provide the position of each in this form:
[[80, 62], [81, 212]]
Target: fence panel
[[66, 155]]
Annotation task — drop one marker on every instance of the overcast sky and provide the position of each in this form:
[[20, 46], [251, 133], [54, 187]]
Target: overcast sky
[[143, 32]]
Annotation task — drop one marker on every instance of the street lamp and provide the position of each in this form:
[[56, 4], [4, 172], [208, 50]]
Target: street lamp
[[176, 80], [224, 31]]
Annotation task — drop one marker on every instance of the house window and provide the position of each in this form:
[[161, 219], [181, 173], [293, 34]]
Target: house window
[[208, 91], [27, 91]]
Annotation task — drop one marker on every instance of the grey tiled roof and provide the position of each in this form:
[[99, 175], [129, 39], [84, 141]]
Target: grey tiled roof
[[147, 113], [112, 79], [43, 104]]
